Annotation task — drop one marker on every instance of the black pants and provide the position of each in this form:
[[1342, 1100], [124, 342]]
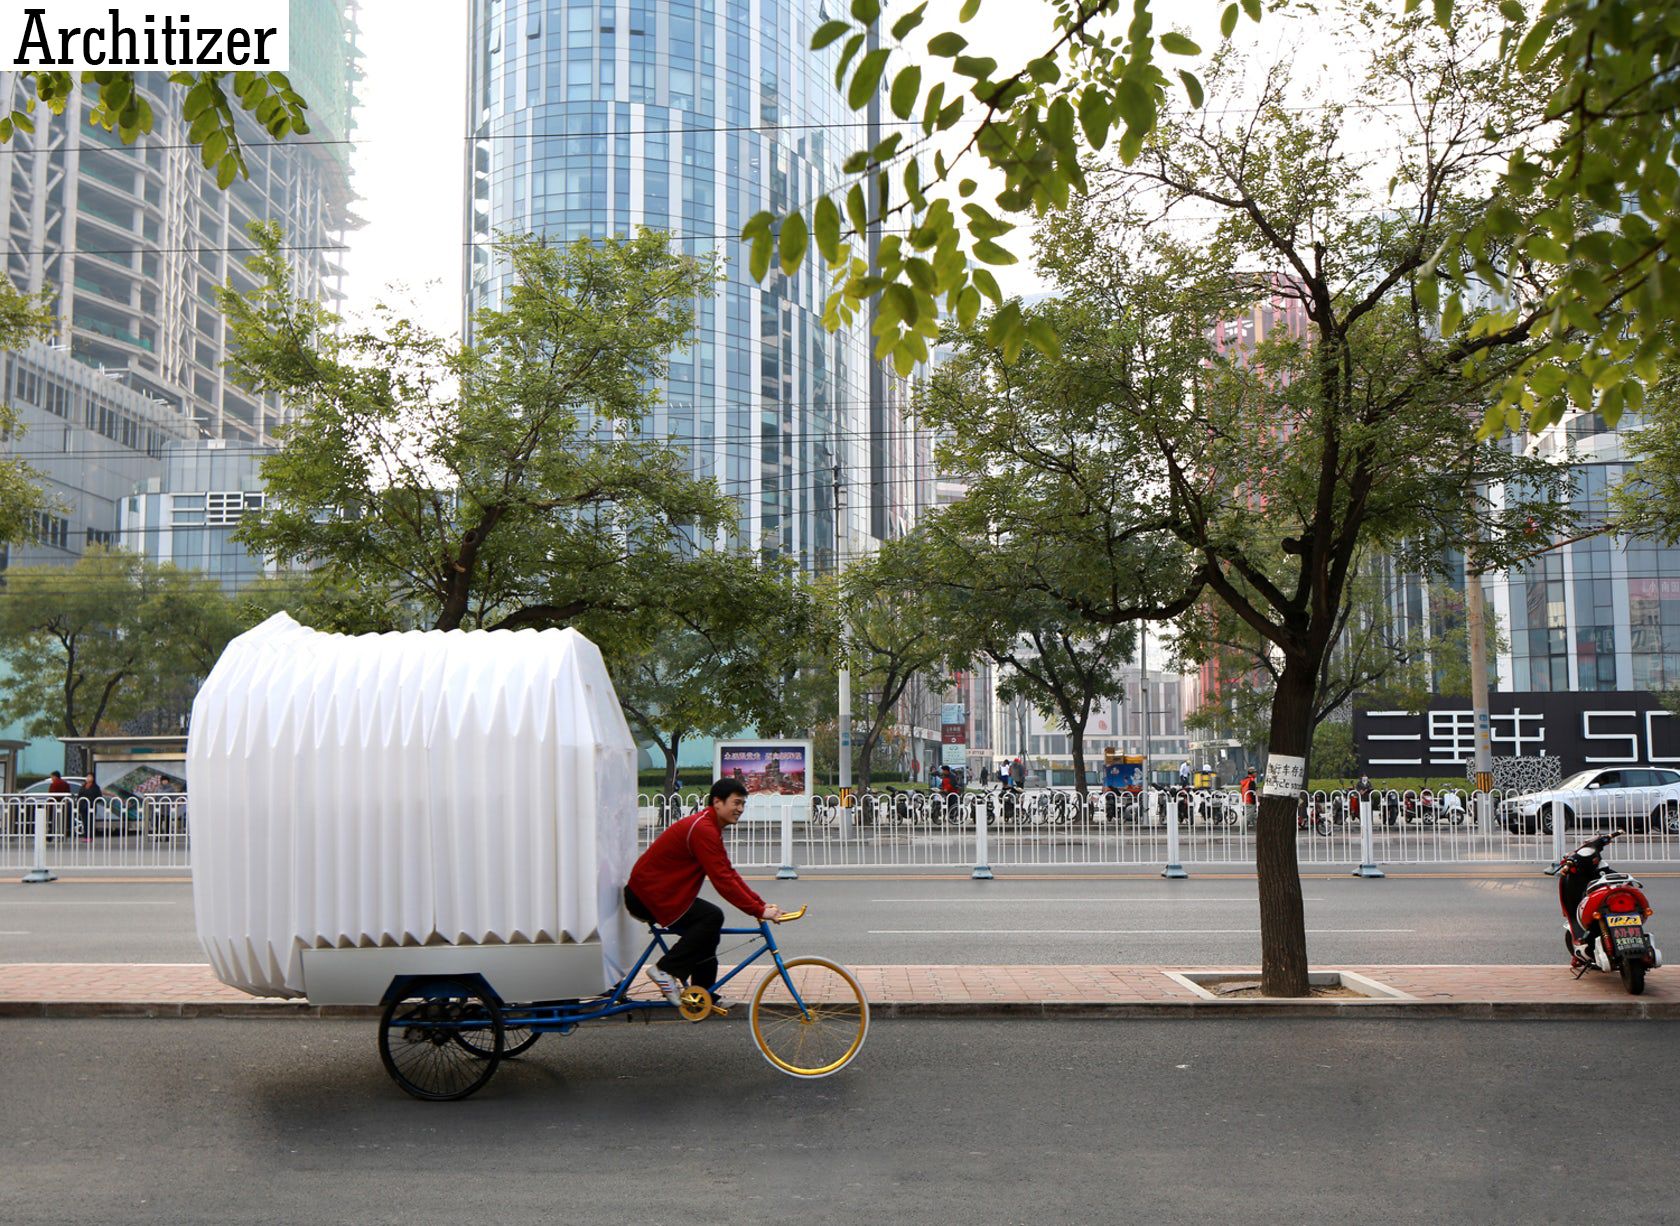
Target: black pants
[[694, 956]]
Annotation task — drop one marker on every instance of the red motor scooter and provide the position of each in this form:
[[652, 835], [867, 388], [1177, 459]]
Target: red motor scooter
[[1604, 916]]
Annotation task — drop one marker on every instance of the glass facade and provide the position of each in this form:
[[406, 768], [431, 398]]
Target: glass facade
[[1602, 613], [590, 118]]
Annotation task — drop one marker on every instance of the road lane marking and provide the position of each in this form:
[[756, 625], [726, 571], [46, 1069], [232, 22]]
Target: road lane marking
[[978, 899], [91, 902], [1117, 932], [13, 934]]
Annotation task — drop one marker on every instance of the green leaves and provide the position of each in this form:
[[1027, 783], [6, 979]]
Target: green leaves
[[904, 25], [757, 232], [867, 79], [120, 107], [1095, 115], [793, 242], [829, 32], [1192, 88], [825, 228], [989, 252], [906, 89], [1035, 120]]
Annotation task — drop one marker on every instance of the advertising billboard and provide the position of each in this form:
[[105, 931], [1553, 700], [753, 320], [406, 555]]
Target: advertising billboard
[[777, 773]]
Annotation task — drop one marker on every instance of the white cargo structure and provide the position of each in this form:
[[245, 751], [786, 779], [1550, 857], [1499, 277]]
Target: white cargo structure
[[371, 806]]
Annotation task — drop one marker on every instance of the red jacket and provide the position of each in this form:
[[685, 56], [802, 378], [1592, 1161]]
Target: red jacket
[[668, 875]]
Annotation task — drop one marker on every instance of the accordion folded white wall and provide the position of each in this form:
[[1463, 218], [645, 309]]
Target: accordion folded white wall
[[427, 788]]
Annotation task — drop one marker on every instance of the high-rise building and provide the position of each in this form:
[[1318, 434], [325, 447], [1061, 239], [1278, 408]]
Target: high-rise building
[[187, 516], [1601, 613], [589, 118], [133, 240], [92, 437]]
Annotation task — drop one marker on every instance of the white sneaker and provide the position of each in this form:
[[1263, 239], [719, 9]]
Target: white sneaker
[[666, 985]]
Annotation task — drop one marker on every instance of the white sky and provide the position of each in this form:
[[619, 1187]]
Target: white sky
[[408, 161]]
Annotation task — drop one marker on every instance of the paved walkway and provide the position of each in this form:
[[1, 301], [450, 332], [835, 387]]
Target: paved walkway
[[191, 990]]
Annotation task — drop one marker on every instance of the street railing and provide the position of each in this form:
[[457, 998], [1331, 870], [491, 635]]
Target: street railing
[[40, 830], [1052, 828], [977, 830]]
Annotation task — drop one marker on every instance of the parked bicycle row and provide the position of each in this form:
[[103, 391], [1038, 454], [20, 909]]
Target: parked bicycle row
[[1321, 811]]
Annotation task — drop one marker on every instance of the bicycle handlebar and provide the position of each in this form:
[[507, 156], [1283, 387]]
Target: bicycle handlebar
[[787, 917]]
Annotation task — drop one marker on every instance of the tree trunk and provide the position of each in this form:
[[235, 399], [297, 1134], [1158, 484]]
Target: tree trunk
[[866, 750], [1076, 742], [671, 762], [1283, 928], [860, 767]]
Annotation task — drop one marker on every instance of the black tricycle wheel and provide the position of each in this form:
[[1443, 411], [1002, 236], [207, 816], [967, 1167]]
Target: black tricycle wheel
[[516, 1040], [442, 1039]]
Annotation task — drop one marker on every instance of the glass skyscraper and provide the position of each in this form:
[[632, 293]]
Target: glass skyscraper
[[589, 118]]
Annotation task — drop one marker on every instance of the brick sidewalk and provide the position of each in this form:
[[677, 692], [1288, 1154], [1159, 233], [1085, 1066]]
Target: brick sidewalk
[[190, 990]]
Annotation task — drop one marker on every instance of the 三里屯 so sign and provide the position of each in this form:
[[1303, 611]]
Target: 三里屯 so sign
[[1583, 729]]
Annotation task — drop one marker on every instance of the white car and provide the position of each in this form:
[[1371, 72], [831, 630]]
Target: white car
[[1635, 798]]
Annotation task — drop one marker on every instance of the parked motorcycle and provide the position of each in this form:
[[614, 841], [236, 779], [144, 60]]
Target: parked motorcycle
[[1604, 914]]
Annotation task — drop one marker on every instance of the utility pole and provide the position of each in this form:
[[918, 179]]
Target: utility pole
[[843, 721], [1143, 690], [872, 118], [1476, 622], [1475, 614]]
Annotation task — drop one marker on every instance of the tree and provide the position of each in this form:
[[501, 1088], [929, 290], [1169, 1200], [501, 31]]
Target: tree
[[210, 104], [1602, 150], [1260, 470], [110, 641], [721, 664], [1601, 146], [1093, 75], [1647, 500], [1371, 655], [23, 317], [496, 483], [891, 635], [1061, 665]]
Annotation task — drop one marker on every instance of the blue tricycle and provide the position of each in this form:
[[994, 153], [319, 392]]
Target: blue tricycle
[[442, 1037]]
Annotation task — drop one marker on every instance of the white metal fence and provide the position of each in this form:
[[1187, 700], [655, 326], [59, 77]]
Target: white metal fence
[[1060, 829], [40, 831], [979, 830]]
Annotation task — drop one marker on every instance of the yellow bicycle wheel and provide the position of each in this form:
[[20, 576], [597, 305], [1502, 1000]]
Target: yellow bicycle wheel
[[822, 1037]]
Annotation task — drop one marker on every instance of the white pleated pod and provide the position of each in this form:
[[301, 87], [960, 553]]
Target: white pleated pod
[[415, 789]]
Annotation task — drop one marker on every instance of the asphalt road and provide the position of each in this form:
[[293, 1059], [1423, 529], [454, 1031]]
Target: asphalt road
[[977, 1122], [1407, 917]]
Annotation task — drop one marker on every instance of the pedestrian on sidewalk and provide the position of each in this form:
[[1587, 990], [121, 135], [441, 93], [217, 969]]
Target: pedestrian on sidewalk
[[86, 797]]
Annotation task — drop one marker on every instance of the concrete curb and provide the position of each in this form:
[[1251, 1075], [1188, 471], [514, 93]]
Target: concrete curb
[[1630, 1009]]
